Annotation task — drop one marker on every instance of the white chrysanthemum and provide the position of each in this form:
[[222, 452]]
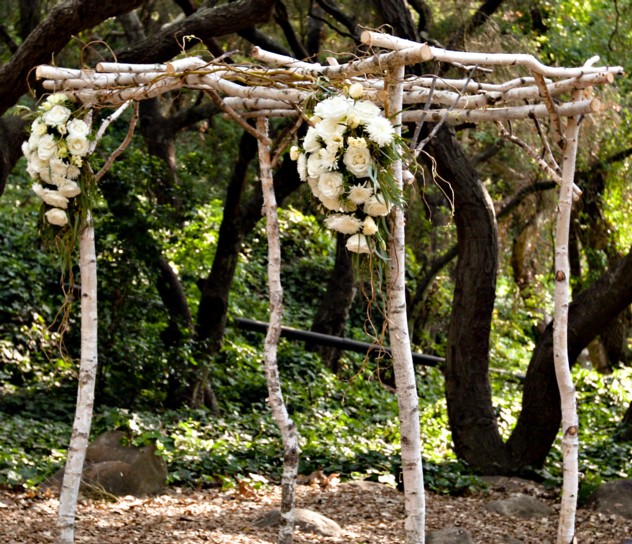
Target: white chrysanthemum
[[340, 222], [57, 217], [78, 127], [358, 244], [358, 160], [78, 145], [380, 131], [56, 116], [311, 143], [356, 90], [328, 159], [58, 167], [69, 189], [365, 110], [359, 194], [330, 185], [377, 206], [369, 226], [46, 147], [314, 165], [301, 166], [337, 107], [73, 172]]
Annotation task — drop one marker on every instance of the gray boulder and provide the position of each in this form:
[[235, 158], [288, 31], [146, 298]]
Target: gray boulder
[[307, 521], [449, 535], [613, 498], [519, 505], [115, 469]]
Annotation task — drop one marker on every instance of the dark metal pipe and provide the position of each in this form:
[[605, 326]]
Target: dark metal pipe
[[334, 341]]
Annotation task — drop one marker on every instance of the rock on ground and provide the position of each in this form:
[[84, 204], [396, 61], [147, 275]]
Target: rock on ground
[[519, 505], [449, 535], [613, 498], [306, 520]]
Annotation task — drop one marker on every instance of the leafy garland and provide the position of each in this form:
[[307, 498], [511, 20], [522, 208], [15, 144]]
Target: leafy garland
[[346, 157]]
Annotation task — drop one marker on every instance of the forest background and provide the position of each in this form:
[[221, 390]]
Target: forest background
[[182, 254]]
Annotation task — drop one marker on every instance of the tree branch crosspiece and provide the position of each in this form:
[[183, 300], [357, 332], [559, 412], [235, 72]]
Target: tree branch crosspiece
[[278, 86]]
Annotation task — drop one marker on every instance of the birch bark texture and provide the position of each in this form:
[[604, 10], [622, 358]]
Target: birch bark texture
[[85, 392], [407, 399], [287, 427], [570, 422]]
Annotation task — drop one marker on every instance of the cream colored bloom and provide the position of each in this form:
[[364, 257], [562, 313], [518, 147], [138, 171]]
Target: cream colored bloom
[[347, 224], [359, 194], [57, 217], [301, 166], [78, 127], [337, 107], [39, 128], [380, 131], [73, 172], [56, 116], [358, 160], [295, 151], [330, 185], [46, 147], [311, 144], [51, 197], [377, 206], [328, 158], [314, 165], [69, 189], [330, 130], [352, 141], [331, 203], [78, 144], [369, 227], [356, 90], [358, 244]]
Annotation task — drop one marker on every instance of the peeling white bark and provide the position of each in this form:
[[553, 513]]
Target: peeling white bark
[[286, 426], [85, 393]]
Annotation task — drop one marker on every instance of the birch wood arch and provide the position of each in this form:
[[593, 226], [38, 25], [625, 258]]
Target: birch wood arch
[[274, 85]]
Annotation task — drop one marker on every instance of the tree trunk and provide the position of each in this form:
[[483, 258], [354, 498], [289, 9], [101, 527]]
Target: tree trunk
[[333, 311], [625, 428], [85, 394], [405, 382], [540, 417], [471, 414], [286, 426]]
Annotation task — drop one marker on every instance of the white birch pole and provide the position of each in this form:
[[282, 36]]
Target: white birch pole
[[407, 400], [286, 426], [85, 393], [570, 422]]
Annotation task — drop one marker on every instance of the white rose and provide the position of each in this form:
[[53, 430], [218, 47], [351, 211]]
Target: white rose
[[356, 90], [57, 217], [78, 127], [356, 142], [314, 165], [347, 224], [301, 167], [38, 128], [359, 194], [358, 244], [330, 185], [366, 110], [358, 160], [26, 149], [377, 206], [369, 227], [294, 152], [46, 147], [311, 144], [78, 144], [313, 185], [336, 107], [331, 203], [69, 189], [56, 116], [331, 131], [380, 131]]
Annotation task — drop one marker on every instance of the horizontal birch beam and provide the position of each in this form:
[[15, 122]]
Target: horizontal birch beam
[[386, 41]]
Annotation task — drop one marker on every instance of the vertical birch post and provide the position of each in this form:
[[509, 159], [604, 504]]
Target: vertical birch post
[[407, 400], [286, 426], [85, 392], [570, 422]]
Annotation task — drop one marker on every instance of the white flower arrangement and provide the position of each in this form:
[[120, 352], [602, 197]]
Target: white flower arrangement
[[345, 158], [55, 151]]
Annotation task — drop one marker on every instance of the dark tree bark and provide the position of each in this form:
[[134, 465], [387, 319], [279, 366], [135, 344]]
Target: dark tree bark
[[472, 419], [589, 313], [314, 30], [333, 311], [29, 17], [12, 134], [396, 14], [480, 17]]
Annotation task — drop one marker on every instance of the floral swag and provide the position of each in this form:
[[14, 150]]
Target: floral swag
[[55, 153], [346, 159]]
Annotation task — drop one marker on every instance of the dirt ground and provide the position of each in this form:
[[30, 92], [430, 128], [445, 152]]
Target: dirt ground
[[369, 514]]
